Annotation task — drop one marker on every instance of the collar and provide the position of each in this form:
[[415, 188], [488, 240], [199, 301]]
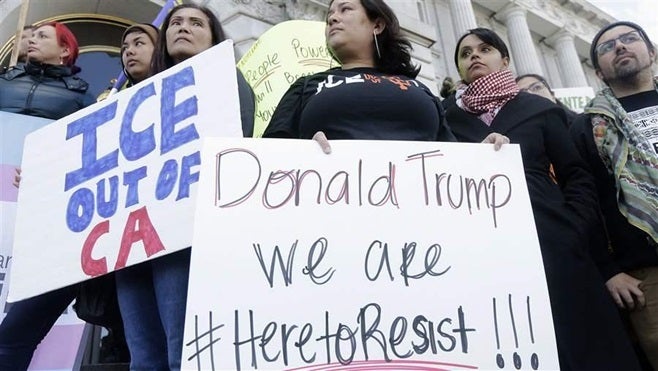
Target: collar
[[50, 70]]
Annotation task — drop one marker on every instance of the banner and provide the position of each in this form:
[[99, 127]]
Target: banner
[[113, 185], [380, 256], [59, 348], [575, 98], [278, 58]]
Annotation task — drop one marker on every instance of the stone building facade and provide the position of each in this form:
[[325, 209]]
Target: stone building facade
[[549, 37]]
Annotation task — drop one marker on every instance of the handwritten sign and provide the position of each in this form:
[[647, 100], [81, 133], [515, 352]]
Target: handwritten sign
[[382, 255], [113, 185], [575, 98], [278, 58], [58, 350]]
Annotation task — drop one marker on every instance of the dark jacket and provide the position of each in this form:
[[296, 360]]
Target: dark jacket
[[571, 115], [631, 248], [589, 333], [562, 211], [43, 90], [247, 105]]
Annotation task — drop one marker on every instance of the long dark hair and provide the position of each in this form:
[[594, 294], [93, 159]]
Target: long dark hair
[[487, 36], [161, 59], [395, 49]]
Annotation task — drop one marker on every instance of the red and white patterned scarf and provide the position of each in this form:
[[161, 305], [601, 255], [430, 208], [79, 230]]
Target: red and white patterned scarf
[[488, 94]]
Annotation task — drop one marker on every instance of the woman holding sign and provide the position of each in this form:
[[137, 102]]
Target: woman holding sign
[[152, 295], [588, 329], [46, 86], [373, 95]]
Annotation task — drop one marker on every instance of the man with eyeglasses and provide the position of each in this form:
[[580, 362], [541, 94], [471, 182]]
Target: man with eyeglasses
[[618, 136]]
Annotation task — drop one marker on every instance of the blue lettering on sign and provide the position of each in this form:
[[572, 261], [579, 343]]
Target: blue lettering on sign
[[80, 210], [166, 180], [131, 179], [91, 164], [107, 208], [135, 145], [172, 114], [85, 202], [187, 178]]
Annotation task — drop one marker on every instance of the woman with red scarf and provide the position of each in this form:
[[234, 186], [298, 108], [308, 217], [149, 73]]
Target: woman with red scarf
[[588, 329]]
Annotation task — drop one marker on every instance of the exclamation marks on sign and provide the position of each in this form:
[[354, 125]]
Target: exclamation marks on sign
[[516, 358], [534, 358]]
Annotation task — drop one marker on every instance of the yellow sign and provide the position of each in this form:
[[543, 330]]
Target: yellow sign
[[278, 58]]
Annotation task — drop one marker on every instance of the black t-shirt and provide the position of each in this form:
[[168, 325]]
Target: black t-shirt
[[359, 103], [642, 108]]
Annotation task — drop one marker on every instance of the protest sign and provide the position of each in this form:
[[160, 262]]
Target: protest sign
[[382, 255], [575, 98], [278, 58], [59, 348], [113, 184]]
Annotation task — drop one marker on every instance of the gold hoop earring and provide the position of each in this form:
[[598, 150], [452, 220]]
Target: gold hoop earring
[[379, 54]]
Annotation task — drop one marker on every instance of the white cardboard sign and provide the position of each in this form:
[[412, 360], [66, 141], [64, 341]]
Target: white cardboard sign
[[382, 255], [575, 98], [58, 350], [113, 184]]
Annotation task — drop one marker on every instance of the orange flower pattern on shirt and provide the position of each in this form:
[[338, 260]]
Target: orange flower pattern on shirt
[[333, 81], [402, 84], [372, 78]]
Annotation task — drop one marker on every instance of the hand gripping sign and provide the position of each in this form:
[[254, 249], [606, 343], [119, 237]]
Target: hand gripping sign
[[114, 184], [380, 256]]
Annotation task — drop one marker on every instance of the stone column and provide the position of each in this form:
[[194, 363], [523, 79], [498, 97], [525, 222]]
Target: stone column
[[524, 54], [306, 9], [245, 21], [463, 17], [570, 67]]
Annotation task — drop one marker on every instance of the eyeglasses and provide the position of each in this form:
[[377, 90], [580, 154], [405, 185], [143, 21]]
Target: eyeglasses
[[608, 46], [535, 87]]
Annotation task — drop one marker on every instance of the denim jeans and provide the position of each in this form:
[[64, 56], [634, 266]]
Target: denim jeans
[[152, 299], [27, 323], [645, 320]]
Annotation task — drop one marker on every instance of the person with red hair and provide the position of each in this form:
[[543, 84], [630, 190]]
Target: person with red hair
[[45, 86], [64, 39]]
